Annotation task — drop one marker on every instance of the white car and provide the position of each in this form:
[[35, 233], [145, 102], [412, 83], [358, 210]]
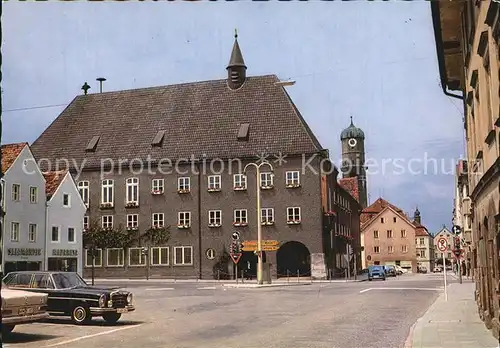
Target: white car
[[21, 307], [400, 270]]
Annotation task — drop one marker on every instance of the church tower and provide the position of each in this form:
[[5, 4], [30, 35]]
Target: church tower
[[236, 69], [353, 159]]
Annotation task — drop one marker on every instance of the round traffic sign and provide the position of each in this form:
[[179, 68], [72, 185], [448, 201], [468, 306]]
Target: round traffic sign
[[442, 244]]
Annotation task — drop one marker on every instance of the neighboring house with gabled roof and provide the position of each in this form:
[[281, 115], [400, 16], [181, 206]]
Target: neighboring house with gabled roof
[[388, 236], [424, 243], [65, 212], [23, 201], [196, 138]]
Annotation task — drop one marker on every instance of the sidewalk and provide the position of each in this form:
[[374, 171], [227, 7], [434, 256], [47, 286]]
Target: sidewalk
[[452, 324], [212, 281]]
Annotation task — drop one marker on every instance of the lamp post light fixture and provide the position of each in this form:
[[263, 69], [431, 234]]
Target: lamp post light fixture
[[259, 217]]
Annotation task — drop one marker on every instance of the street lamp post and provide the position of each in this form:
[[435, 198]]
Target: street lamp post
[[259, 218]]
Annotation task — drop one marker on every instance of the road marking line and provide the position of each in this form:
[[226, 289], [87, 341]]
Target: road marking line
[[159, 289], [93, 335], [207, 288], [365, 290], [425, 289]]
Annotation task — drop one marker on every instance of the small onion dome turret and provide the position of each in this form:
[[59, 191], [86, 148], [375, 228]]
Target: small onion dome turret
[[352, 132]]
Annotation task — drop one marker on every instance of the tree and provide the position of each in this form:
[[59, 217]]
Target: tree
[[96, 237], [221, 269], [157, 235]]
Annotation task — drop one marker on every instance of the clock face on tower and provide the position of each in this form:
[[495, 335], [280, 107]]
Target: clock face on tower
[[352, 142]]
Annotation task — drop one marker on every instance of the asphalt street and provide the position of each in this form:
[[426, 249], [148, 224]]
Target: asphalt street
[[185, 315]]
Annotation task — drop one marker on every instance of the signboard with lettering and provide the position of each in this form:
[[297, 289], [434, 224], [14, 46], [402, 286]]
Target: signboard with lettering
[[64, 252], [267, 245], [24, 252]]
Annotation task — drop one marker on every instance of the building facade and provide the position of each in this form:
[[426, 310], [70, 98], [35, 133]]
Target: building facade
[[467, 41], [65, 212], [23, 223], [387, 236], [184, 177], [424, 245], [448, 254]]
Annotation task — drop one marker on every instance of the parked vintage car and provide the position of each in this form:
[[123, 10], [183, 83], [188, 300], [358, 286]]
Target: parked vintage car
[[376, 272], [70, 295], [390, 270], [21, 307]]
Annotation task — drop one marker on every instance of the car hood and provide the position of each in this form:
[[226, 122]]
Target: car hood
[[93, 290]]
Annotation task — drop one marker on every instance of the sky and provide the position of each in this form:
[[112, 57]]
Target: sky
[[375, 61]]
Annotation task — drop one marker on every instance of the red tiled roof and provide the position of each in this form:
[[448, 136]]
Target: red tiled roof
[[375, 208], [421, 230], [53, 180], [351, 186], [9, 154]]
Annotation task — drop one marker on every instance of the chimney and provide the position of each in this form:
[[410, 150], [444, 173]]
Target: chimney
[[101, 80]]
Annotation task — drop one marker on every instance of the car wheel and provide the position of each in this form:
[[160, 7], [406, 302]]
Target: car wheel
[[81, 314], [7, 329], [111, 318], [383, 278], [369, 279]]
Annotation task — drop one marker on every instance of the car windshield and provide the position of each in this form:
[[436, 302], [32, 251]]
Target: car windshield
[[389, 267], [68, 280], [375, 268]]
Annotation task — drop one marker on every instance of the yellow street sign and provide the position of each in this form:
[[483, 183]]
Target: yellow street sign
[[264, 248], [263, 243]]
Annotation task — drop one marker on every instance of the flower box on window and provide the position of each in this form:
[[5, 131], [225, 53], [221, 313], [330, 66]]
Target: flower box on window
[[293, 222], [292, 185], [213, 189], [156, 227], [157, 192], [240, 224], [267, 223], [132, 228], [131, 205], [107, 228], [266, 187], [85, 230], [330, 213], [106, 205], [183, 226], [239, 188], [183, 191], [214, 225]]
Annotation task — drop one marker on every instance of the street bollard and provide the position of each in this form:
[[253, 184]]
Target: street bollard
[[242, 276], [288, 275]]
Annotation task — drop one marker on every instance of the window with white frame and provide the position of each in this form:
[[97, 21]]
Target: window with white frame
[[97, 258], [404, 248], [267, 216], [16, 192], [266, 180], [214, 182], [107, 194], [240, 217], [54, 237], [183, 255], [32, 231], [135, 257], [376, 249], [215, 217], [86, 222], [239, 181], [184, 219], [14, 232], [132, 221], [107, 222], [158, 220], [293, 178], [184, 184], [293, 214], [157, 186], [33, 194], [84, 190], [403, 233], [390, 249], [389, 234], [132, 194], [114, 257], [71, 235], [159, 256], [66, 200]]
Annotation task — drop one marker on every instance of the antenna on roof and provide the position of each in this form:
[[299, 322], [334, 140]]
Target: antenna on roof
[[101, 80]]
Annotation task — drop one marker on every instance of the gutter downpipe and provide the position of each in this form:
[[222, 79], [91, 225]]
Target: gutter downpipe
[[436, 19]]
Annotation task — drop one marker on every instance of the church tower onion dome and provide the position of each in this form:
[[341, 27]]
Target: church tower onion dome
[[352, 132]]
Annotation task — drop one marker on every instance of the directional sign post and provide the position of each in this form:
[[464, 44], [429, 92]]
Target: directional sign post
[[235, 251], [442, 245], [267, 245], [456, 229]]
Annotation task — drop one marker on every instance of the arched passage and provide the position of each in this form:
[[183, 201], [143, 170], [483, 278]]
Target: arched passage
[[247, 265], [293, 257]]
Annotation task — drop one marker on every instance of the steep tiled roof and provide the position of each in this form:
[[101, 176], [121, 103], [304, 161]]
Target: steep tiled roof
[[351, 186], [376, 208], [9, 154], [53, 180], [421, 230], [198, 118]]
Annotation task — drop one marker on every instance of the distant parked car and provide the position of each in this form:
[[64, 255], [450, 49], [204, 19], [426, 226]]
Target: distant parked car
[[390, 270], [21, 307], [438, 269], [376, 272], [70, 295], [400, 270]]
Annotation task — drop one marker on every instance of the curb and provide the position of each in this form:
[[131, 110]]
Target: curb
[[409, 339], [256, 286]]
